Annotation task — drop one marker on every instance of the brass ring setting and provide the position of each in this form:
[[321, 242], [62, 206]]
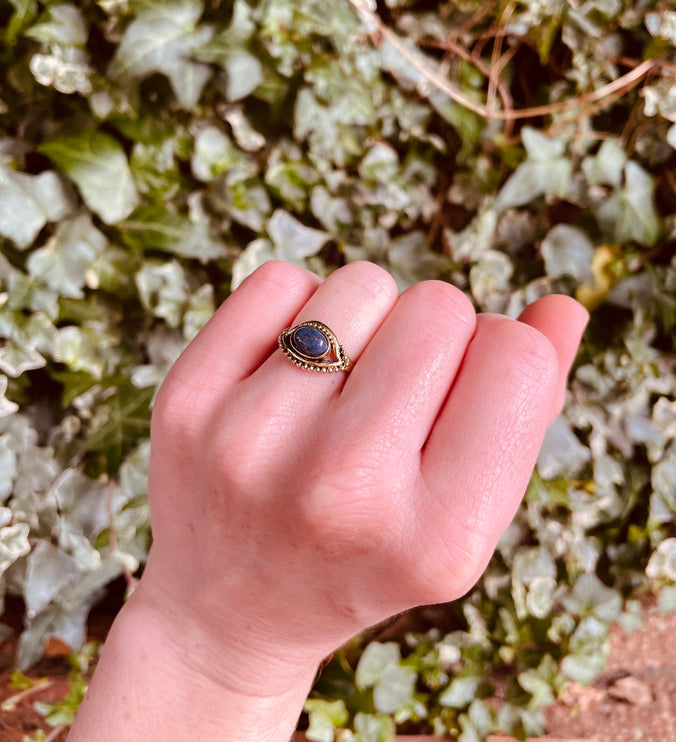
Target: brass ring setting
[[314, 347]]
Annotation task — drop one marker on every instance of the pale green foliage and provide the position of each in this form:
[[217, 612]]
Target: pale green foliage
[[153, 154]]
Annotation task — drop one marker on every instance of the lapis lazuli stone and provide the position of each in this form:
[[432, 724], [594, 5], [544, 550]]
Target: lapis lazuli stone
[[310, 342]]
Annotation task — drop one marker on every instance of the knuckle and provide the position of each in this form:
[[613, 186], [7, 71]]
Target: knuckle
[[370, 278], [530, 348], [443, 300], [278, 275], [175, 417]]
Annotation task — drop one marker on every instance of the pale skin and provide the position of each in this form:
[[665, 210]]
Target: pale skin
[[292, 509]]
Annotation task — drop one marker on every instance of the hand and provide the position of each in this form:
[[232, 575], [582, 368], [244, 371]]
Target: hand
[[292, 509]]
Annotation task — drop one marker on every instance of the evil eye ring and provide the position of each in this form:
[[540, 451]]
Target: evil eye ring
[[314, 347]]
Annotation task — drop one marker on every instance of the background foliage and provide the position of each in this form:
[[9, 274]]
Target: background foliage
[[153, 153]]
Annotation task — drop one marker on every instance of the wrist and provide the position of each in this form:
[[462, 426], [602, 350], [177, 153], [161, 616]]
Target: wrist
[[154, 686]]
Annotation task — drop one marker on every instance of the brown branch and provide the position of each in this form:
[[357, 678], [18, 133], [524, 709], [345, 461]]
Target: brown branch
[[603, 95]]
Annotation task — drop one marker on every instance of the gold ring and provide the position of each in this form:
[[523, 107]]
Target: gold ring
[[314, 347]]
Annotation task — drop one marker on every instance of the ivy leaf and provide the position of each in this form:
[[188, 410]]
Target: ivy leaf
[[461, 691], [49, 570], [606, 166], [546, 171], [373, 661], [28, 202], [7, 407], [325, 718], [162, 39], [154, 227], [98, 165], [13, 544], [373, 728], [293, 241], [243, 70], [163, 289], [61, 24], [567, 251], [590, 597], [120, 422], [630, 214], [64, 261]]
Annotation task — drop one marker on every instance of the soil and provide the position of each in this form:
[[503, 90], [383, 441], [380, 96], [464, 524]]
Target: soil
[[634, 699]]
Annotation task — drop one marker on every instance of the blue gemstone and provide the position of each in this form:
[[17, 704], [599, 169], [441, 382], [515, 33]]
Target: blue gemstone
[[310, 342]]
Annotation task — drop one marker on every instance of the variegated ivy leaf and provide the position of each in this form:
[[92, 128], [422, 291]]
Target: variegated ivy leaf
[[214, 154], [16, 358], [84, 503], [606, 166], [460, 692], [61, 24], [372, 728], [7, 407], [64, 261], [28, 202], [662, 24], [163, 289], [153, 227], [293, 241], [662, 564], [568, 251], [243, 70], [98, 166], [325, 718], [162, 38], [13, 544], [546, 171], [49, 570], [90, 347], [64, 63], [67, 70], [630, 214]]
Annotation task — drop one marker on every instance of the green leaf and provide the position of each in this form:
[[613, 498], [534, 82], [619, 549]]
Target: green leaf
[[568, 251], [156, 228], [28, 202], [607, 166], [7, 407], [325, 718], [120, 422], [373, 728], [63, 263], [373, 661], [293, 241], [61, 24], [546, 171], [98, 165], [243, 70], [162, 39], [13, 544], [461, 691], [630, 214], [163, 289]]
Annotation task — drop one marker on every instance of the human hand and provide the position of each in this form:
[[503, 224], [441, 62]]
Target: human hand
[[292, 509]]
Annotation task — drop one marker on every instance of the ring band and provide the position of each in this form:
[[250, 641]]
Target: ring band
[[314, 347]]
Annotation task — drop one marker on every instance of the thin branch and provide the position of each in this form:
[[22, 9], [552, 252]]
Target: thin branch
[[9, 704], [56, 733], [602, 96]]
